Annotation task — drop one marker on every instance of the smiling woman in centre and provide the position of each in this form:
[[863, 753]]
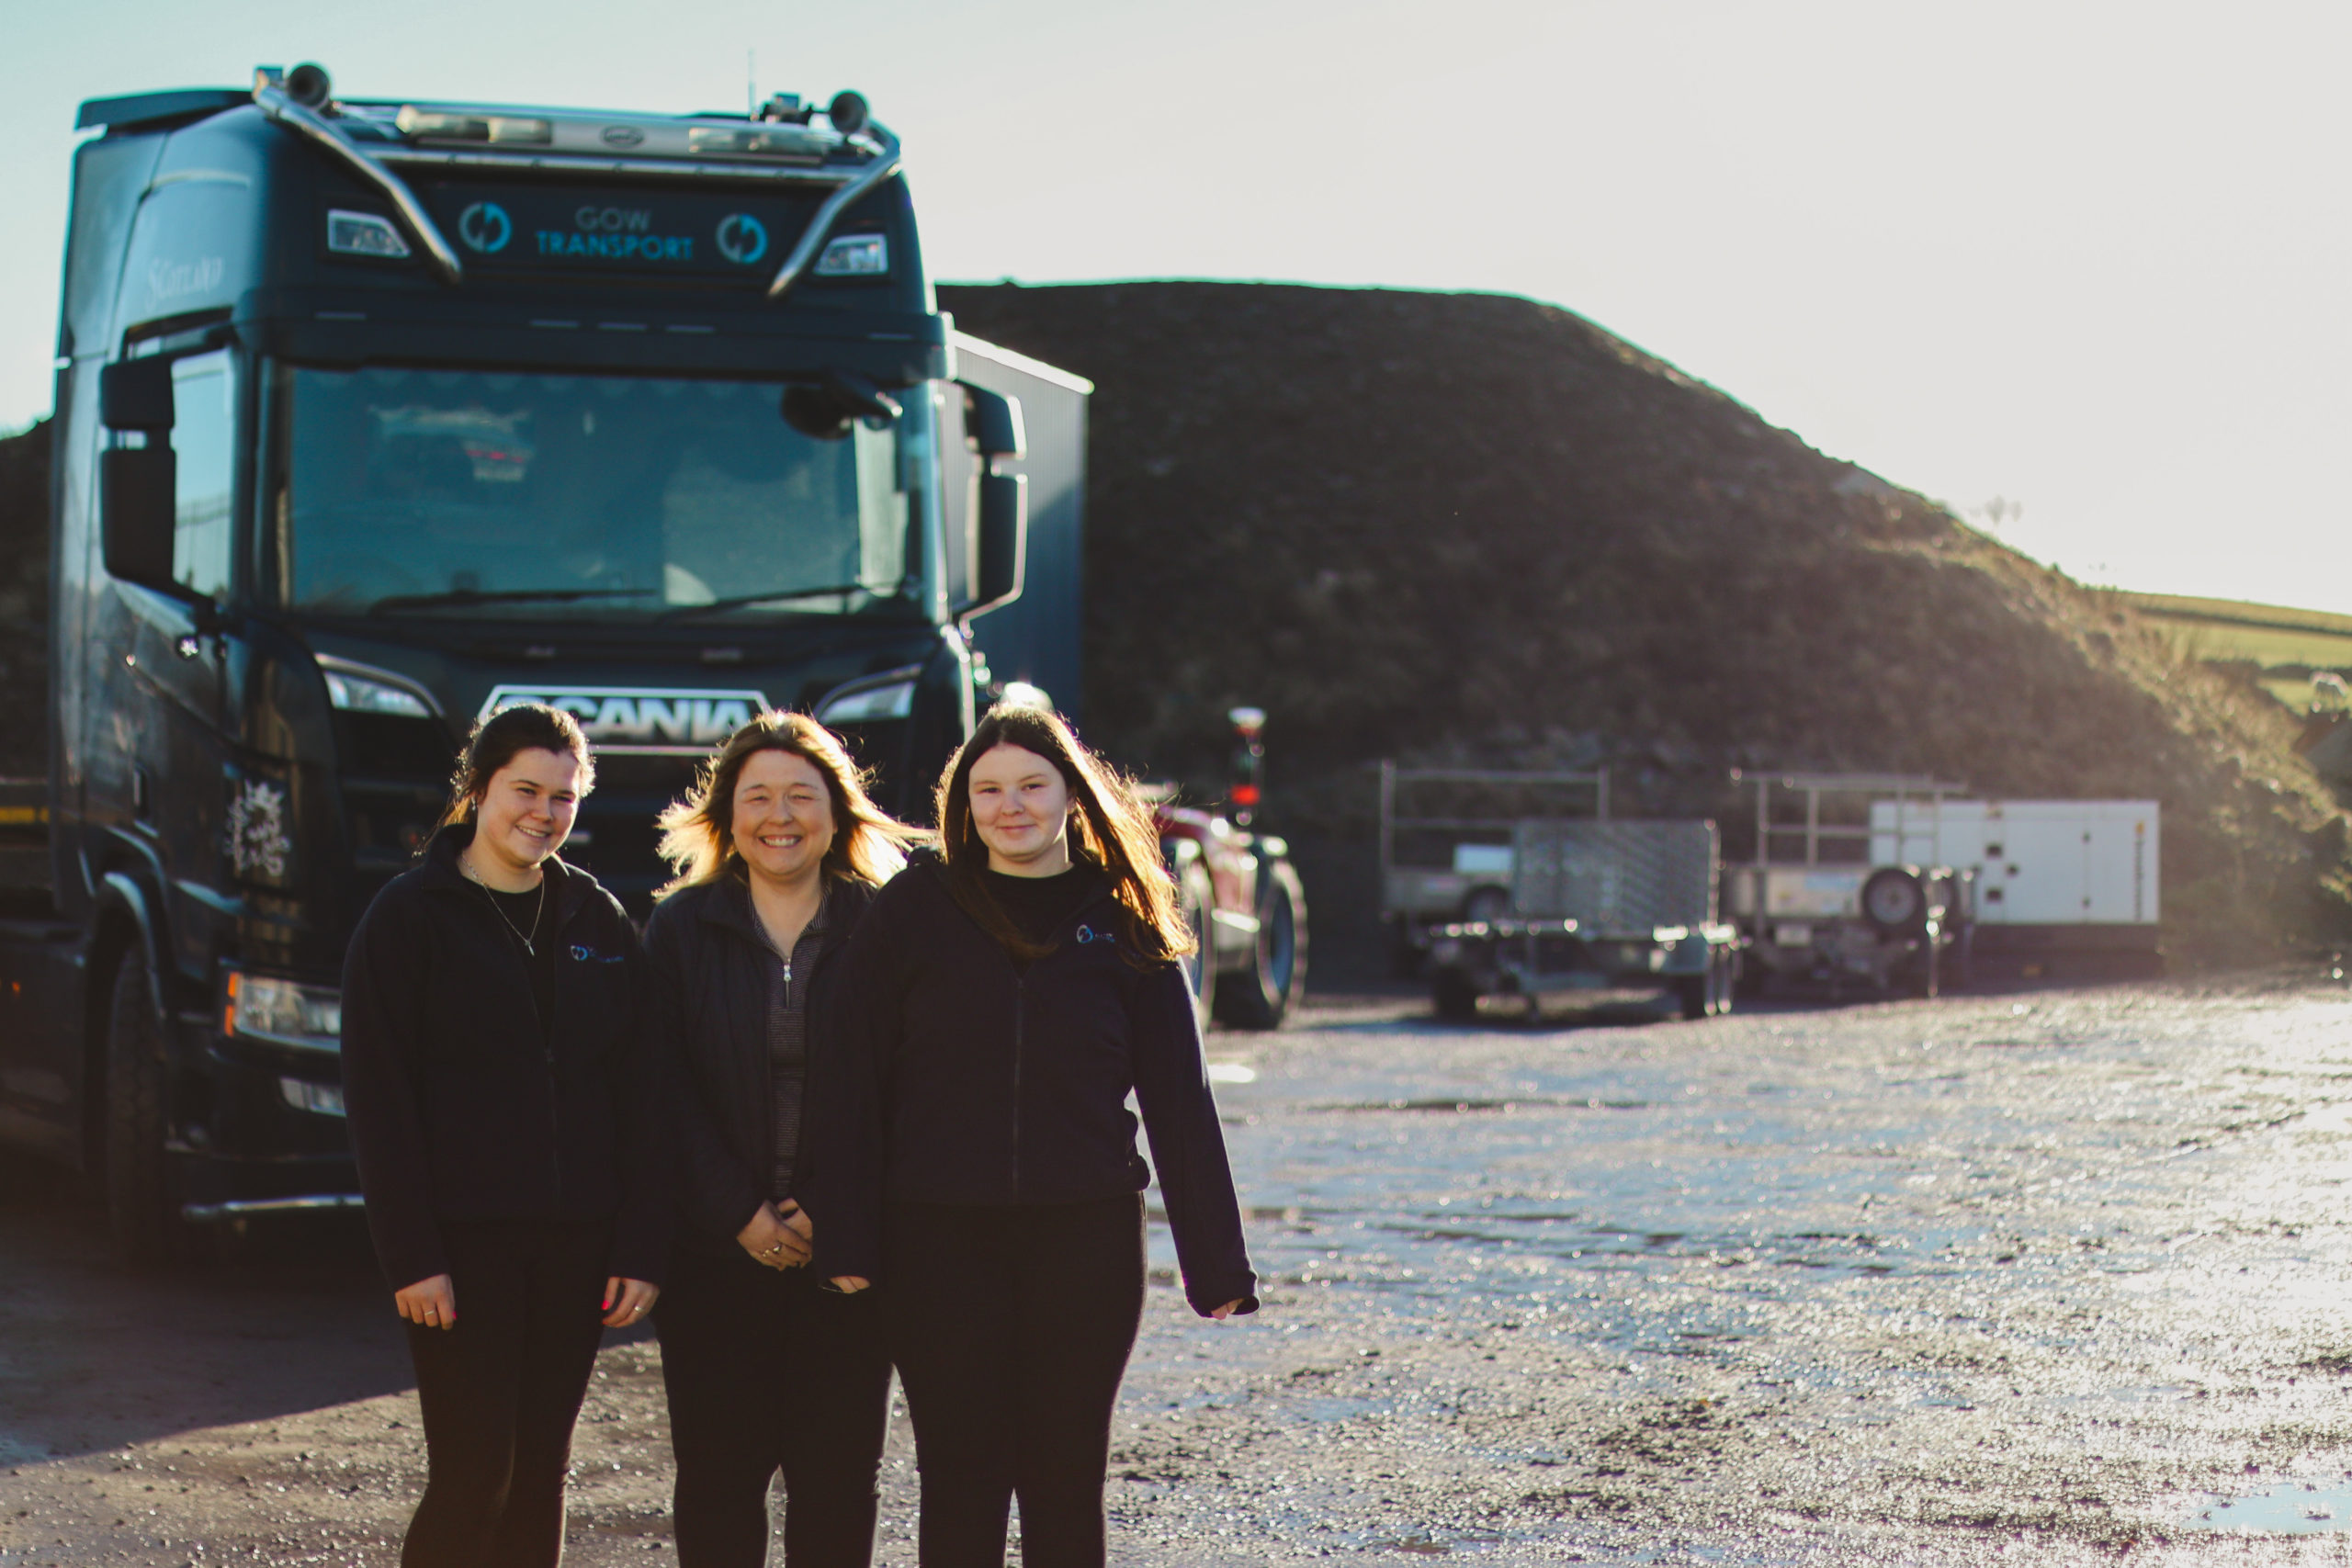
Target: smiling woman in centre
[[1006, 995], [779, 851]]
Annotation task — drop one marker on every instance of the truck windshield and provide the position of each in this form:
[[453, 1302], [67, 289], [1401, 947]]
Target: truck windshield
[[455, 493]]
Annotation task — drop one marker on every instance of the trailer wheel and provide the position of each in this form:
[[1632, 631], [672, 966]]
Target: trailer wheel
[[1923, 974], [1894, 899], [1194, 898], [1961, 974], [143, 1208], [1258, 996], [1725, 967], [1454, 997]]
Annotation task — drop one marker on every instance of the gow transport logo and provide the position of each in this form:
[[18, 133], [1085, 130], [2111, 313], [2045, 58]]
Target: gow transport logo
[[647, 720]]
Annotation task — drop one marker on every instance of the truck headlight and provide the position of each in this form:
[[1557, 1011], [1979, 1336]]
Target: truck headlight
[[355, 693], [855, 256], [283, 1012], [864, 705]]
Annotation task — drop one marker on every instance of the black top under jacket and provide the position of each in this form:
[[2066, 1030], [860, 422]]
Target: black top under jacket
[[961, 1079], [462, 1107], [710, 976]]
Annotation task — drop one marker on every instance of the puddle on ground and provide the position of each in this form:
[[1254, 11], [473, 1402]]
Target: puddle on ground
[[2292, 1508]]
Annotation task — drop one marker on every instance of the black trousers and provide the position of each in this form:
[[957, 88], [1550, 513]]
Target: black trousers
[[1011, 1328], [502, 1389], [767, 1372]]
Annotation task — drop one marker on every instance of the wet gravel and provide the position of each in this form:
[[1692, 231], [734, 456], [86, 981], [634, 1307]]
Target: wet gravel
[[2056, 1274]]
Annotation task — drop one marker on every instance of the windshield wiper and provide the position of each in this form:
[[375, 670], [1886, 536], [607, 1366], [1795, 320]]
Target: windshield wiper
[[778, 596], [503, 596]]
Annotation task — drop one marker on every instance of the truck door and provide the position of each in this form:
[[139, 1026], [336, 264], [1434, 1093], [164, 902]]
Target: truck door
[[157, 661]]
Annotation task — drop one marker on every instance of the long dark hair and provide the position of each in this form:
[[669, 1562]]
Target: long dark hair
[[1110, 828], [698, 830], [526, 727]]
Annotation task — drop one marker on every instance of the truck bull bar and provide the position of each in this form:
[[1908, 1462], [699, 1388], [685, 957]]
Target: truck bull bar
[[374, 161]]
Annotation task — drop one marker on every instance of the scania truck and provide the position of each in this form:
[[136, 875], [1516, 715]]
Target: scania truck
[[374, 416]]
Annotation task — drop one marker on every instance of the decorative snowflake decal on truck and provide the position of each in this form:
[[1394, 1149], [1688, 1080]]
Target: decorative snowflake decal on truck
[[255, 837]]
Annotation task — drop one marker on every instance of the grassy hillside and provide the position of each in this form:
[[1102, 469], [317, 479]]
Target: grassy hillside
[[1476, 528]]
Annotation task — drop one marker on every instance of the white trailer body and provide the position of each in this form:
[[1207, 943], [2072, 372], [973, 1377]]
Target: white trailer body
[[2037, 863], [2053, 876]]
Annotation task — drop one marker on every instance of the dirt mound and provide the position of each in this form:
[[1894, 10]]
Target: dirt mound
[[1470, 527]]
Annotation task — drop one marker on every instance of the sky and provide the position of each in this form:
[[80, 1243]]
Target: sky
[[2077, 271]]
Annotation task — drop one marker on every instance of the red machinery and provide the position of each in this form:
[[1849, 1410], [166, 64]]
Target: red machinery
[[1242, 894]]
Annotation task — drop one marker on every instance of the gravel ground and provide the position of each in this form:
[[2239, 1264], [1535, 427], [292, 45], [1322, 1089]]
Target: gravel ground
[[2054, 1275]]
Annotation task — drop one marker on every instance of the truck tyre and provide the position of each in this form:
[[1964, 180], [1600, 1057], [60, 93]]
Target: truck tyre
[[1195, 896], [143, 1208], [1258, 996], [1453, 997], [1726, 969]]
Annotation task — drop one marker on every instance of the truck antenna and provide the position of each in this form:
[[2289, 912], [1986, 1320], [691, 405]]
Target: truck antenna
[[751, 83]]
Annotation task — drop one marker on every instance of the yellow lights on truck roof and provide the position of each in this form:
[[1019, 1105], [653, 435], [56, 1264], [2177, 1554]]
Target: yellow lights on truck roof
[[785, 141], [442, 125]]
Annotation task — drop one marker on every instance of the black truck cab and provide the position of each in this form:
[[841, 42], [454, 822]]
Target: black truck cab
[[374, 417]]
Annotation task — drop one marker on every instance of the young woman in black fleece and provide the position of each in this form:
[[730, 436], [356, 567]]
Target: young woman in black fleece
[[510, 1123], [1005, 996], [778, 852]]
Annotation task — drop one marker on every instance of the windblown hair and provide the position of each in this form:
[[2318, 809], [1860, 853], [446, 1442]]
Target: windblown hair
[[496, 740], [698, 830], [1111, 827]]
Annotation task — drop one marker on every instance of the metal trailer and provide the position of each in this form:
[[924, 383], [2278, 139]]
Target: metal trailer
[[1818, 904], [1532, 907]]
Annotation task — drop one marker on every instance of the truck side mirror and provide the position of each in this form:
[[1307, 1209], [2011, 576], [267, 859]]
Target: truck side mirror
[[138, 490], [1003, 540], [993, 421], [136, 394]]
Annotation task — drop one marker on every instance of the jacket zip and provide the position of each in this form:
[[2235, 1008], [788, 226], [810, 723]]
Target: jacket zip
[[1020, 1018]]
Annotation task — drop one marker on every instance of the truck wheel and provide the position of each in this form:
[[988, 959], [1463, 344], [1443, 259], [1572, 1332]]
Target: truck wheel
[[1454, 997], [1194, 898], [1261, 995], [1725, 968], [142, 1209]]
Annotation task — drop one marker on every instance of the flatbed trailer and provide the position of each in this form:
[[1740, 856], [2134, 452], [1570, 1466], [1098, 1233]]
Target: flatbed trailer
[[1828, 901], [1593, 908]]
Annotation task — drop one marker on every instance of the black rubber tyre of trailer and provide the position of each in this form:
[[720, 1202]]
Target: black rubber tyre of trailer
[[1923, 971], [1194, 898], [1258, 996], [1453, 997], [1696, 992], [1959, 969], [1725, 967], [142, 1200]]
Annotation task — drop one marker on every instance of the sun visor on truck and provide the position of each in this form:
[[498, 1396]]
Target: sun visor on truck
[[700, 235]]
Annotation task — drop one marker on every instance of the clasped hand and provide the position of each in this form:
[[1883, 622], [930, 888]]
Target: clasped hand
[[433, 1304], [779, 1237]]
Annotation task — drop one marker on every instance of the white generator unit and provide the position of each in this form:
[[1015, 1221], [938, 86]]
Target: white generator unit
[[2079, 873]]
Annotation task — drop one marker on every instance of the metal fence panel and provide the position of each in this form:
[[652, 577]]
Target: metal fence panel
[[1615, 876]]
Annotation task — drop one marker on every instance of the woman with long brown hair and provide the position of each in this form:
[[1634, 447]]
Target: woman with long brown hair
[[506, 1105], [778, 850], [1007, 993]]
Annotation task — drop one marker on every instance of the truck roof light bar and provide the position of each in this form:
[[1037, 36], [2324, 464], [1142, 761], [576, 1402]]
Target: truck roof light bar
[[274, 102], [784, 149]]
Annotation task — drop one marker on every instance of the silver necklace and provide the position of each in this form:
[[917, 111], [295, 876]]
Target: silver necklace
[[538, 908]]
